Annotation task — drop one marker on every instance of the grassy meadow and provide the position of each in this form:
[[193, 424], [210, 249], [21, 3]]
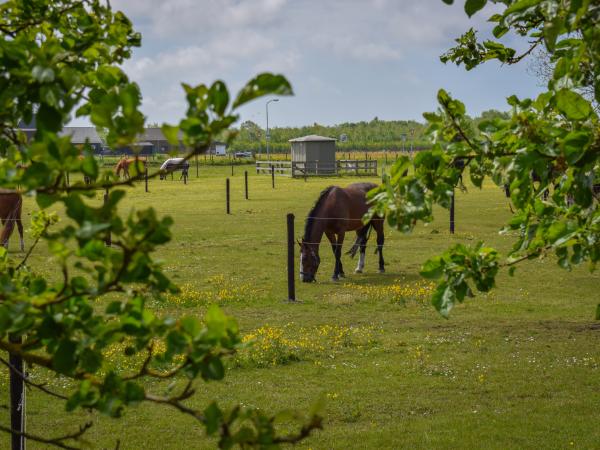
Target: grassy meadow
[[518, 368]]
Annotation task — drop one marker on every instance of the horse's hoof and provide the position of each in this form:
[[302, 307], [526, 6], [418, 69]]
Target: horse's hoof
[[381, 270], [335, 279], [342, 275], [358, 271]]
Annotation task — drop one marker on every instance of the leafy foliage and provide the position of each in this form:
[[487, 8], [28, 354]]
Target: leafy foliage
[[60, 58], [547, 151]]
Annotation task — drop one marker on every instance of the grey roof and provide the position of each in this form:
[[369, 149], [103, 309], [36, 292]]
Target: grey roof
[[28, 125], [313, 138], [152, 134], [81, 135]]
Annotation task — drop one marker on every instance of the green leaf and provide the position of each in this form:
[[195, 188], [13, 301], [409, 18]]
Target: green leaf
[[213, 369], [433, 268], [89, 166], [45, 200], [91, 360], [49, 118], [575, 145], [598, 312], [521, 5], [573, 105], [443, 299], [263, 84], [213, 416], [42, 74], [134, 393], [551, 31], [472, 6], [64, 360], [171, 133], [218, 97]]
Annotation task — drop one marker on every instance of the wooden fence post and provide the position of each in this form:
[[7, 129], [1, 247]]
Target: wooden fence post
[[227, 195], [273, 175], [146, 178], [452, 213], [17, 398], [290, 258]]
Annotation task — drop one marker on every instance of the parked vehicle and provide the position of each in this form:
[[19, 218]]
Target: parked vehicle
[[243, 154]]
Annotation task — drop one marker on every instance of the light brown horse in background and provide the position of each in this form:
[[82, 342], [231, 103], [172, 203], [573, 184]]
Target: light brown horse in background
[[124, 163], [10, 213], [337, 211]]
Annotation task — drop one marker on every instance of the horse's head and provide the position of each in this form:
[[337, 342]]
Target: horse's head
[[309, 261]]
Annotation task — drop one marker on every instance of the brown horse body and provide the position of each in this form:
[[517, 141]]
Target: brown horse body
[[123, 166], [10, 214], [337, 211]]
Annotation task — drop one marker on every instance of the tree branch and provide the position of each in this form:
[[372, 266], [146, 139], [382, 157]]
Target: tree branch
[[25, 378], [57, 441]]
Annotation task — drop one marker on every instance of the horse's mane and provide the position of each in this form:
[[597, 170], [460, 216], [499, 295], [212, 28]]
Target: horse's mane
[[310, 220]]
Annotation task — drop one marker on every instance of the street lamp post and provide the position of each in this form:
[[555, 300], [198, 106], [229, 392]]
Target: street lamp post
[[268, 135]]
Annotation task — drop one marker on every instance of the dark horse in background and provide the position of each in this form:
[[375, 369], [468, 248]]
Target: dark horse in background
[[10, 214], [337, 211]]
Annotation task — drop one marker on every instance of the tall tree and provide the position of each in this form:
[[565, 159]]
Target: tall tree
[[547, 151], [61, 58]]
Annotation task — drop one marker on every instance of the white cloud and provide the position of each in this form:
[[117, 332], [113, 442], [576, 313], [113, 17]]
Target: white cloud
[[214, 58], [167, 17], [327, 48]]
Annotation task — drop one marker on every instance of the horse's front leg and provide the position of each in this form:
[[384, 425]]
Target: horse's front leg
[[336, 269]]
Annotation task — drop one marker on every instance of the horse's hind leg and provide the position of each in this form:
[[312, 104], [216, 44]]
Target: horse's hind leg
[[362, 243], [340, 242], [361, 257], [20, 228]]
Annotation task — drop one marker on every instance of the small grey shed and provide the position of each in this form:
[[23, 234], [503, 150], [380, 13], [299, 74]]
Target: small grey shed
[[315, 154]]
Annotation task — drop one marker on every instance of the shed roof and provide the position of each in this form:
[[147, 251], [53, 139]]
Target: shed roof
[[81, 135], [313, 138]]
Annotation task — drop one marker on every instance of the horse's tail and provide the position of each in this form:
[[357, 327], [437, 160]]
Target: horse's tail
[[361, 239]]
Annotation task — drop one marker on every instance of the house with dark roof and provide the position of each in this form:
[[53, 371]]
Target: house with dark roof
[[82, 135]]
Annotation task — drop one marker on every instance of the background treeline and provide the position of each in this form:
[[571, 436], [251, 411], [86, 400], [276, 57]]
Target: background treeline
[[375, 135]]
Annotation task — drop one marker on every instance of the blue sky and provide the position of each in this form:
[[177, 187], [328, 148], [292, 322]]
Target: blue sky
[[347, 60]]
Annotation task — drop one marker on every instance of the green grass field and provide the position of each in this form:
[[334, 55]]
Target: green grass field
[[518, 368]]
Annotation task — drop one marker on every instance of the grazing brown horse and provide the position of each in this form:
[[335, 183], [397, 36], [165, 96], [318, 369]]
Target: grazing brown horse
[[337, 211], [10, 213], [124, 163]]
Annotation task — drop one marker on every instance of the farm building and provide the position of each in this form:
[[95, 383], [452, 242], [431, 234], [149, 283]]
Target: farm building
[[218, 148], [316, 154], [81, 135], [152, 140], [28, 128]]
